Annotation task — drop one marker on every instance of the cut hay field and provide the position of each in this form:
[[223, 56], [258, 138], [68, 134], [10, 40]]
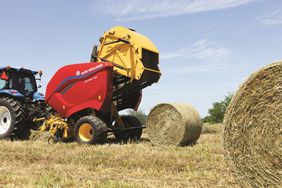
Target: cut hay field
[[38, 164]]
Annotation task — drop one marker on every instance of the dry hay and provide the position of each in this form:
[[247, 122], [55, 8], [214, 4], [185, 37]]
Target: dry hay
[[39, 136], [174, 124], [253, 128], [211, 128]]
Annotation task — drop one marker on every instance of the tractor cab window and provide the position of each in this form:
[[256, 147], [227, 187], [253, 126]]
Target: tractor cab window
[[3, 80], [24, 83], [3, 83]]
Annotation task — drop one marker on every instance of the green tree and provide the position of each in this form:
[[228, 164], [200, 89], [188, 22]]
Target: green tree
[[140, 115], [216, 113]]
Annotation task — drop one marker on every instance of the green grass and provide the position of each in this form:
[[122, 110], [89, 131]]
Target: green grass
[[37, 164]]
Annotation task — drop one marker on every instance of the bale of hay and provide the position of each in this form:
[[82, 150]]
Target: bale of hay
[[173, 124], [253, 127]]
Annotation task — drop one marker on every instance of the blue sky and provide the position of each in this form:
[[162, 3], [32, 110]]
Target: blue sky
[[207, 47]]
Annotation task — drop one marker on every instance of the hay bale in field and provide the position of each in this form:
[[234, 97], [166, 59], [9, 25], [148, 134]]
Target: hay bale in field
[[174, 124], [253, 129]]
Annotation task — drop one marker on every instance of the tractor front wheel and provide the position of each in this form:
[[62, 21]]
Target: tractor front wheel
[[90, 130]]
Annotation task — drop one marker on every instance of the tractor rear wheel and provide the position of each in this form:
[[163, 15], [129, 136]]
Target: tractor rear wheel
[[132, 134], [12, 119], [90, 130]]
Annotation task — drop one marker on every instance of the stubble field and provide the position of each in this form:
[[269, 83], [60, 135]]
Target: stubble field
[[38, 164]]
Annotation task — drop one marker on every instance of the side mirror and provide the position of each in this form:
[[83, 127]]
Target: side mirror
[[40, 73]]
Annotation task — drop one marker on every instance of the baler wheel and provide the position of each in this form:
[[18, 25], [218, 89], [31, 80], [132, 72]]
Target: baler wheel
[[132, 134], [52, 140], [12, 117], [90, 130]]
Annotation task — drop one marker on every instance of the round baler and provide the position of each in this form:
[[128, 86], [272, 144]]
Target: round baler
[[86, 98]]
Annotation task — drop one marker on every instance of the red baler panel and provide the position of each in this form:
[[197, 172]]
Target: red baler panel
[[80, 86]]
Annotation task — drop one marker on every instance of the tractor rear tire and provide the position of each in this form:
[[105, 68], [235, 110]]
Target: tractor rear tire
[[12, 117], [129, 135], [90, 130]]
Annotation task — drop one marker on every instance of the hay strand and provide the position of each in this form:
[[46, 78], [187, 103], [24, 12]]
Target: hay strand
[[253, 127], [174, 124]]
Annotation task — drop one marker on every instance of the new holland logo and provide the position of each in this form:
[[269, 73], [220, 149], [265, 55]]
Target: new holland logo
[[77, 73]]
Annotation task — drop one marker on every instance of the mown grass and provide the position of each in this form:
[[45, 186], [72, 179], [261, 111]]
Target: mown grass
[[38, 164], [212, 128]]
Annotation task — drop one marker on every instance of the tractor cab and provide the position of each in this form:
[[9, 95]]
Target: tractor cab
[[20, 102], [18, 81]]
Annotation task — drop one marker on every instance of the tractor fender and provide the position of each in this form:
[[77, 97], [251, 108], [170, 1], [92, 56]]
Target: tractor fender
[[11, 92], [37, 96]]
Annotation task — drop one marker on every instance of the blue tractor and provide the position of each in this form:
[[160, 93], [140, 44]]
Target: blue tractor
[[20, 102]]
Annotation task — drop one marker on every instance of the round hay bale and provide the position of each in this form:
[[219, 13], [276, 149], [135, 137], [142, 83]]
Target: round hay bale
[[253, 128], [174, 124]]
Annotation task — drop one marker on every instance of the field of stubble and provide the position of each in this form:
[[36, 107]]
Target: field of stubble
[[38, 164]]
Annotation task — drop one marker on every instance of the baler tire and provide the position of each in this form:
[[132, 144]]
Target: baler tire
[[90, 130], [52, 140], [136, 133], [15, 110], [133, 135]]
